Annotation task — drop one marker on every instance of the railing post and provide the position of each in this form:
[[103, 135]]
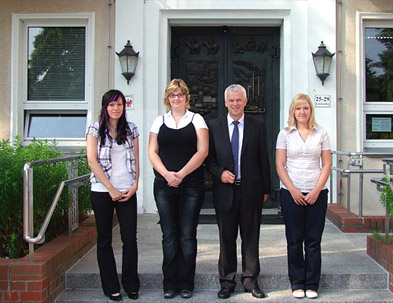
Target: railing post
[[348, 194], [29, 205], [31, 214], [361, 177], [73, 208], [387, 219]]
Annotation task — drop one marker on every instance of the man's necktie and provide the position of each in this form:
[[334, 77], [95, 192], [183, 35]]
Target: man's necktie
[[235, 147]]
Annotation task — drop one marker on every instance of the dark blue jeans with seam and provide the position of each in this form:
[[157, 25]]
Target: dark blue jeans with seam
[[179, 210], [304, 225]]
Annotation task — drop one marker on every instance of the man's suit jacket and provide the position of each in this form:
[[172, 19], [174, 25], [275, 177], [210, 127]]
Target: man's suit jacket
[[254, 163]]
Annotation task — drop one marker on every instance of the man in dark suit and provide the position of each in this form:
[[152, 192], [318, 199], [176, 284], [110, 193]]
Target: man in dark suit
[[239, 164]]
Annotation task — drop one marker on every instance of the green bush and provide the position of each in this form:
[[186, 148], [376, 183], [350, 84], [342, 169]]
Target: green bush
[[386, 199], [46, 181]]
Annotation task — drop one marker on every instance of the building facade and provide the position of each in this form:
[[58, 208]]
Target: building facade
[[266, 46]]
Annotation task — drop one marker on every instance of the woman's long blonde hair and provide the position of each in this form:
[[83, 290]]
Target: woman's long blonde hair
[[299, 98]]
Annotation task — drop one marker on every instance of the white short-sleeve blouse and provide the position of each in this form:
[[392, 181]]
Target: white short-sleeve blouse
[[197, 121], [303, 157]]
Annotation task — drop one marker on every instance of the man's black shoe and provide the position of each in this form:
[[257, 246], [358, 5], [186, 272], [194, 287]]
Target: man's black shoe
[[169, 294], [186, 294], [256, 292], [224, 293]]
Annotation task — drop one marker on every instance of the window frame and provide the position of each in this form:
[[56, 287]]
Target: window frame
[[29, 114], [19, 80], [366, 20]]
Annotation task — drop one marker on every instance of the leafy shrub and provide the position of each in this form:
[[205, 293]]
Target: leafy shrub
[[386, 198], [46, 181]]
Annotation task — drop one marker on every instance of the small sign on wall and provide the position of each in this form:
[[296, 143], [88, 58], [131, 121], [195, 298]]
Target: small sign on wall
[[382, 125], [129, 101], [322, 101]]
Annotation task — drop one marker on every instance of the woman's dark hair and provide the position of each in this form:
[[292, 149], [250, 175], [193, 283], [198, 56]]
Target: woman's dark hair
[[122, 129]]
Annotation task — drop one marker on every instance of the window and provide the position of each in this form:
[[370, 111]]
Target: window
[[54, 77], [378, 84], [52, 125], [56, 64]]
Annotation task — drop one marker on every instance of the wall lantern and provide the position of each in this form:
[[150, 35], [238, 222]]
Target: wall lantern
[[128, 60], [322, 60]]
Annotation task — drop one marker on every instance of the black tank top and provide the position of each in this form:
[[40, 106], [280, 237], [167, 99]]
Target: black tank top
[[176, 148]]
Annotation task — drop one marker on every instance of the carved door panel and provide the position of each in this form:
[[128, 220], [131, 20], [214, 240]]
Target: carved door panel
[[209, 59]]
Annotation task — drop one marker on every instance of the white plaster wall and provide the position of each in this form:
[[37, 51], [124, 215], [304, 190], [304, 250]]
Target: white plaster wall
[[146, 23]]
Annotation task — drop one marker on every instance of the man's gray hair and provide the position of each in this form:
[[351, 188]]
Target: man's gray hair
[[235, 88]]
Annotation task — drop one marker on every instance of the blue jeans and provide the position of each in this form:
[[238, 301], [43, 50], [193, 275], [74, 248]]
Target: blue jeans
[[179, 213], [304, 224]]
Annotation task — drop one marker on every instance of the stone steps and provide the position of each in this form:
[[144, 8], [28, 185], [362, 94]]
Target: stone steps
[[348, 274], [210, 296], [272, 281]]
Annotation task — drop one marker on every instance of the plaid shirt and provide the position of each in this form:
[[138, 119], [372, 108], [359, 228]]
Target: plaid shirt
[[104, 152]]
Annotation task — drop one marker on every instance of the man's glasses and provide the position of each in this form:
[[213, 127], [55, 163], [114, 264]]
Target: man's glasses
[[173, 96]]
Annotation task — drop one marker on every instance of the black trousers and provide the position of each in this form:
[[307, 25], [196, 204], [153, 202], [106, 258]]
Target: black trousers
[[304, 225], [103, 207], [249, 221]]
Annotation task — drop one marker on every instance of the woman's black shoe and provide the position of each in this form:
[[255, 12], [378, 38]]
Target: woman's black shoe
[[133, 295], [116, 297], [169, 294]]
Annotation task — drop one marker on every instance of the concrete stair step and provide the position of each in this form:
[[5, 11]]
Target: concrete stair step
[[283, 296], [210, 281]]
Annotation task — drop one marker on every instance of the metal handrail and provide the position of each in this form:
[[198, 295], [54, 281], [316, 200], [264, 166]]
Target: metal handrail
[[354, 159], [28, 221], [381, 183]]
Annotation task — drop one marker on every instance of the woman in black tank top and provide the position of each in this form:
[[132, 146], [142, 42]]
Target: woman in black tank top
[[177, 152]]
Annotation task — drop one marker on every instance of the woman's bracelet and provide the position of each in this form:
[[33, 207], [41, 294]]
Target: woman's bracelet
[[165, 174]]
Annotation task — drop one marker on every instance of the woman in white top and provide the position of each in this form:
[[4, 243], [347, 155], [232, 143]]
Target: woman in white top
[[113, 156], [301, 148], [178, 145]]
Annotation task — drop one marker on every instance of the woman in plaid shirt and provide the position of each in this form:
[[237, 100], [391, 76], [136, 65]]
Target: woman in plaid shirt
[[113, 156]]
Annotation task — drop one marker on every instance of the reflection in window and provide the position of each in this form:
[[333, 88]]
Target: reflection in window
[[55, 125], [56, 64], [379, 64], [379, 126]]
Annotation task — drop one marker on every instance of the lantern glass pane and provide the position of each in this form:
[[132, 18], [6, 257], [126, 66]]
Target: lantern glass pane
[[318, 62], [123, 64], [132, 64], [326, 65]]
